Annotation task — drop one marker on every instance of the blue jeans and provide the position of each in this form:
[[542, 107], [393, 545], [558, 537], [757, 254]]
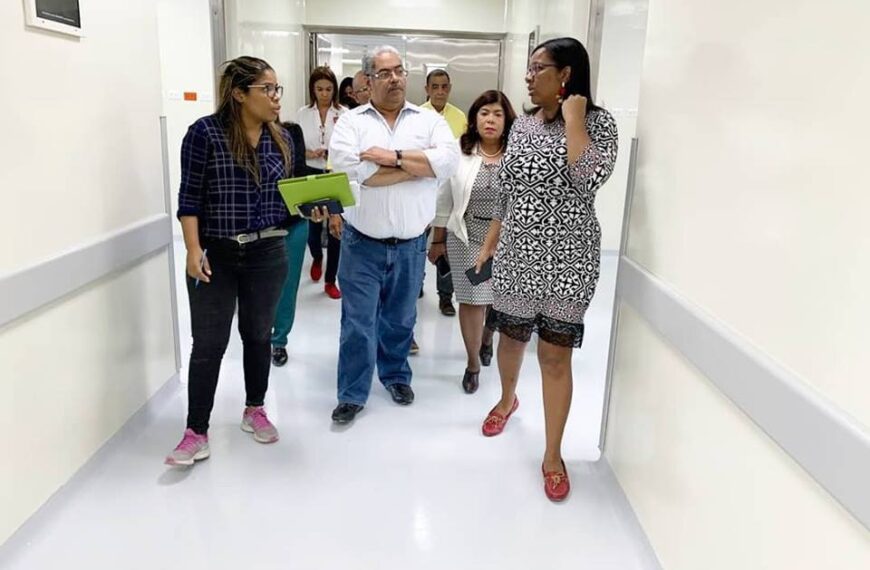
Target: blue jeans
[[379, 288], [295, 242]]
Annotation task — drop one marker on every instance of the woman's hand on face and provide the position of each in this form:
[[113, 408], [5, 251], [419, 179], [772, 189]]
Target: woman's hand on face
[[436, 250], [574, 108]]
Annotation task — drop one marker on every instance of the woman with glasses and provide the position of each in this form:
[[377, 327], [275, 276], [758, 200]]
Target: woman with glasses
[[546, 238], [234, 222], [317, 120], [463, 216]]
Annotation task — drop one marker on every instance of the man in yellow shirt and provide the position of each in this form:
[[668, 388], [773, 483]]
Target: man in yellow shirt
[[438, 90]]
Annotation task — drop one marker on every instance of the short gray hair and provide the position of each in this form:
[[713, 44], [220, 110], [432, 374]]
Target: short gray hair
[[368, 60]]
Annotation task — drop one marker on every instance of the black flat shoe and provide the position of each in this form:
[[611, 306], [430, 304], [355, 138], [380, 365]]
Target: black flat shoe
[[470, 381], [401, 393], [345, 413], [279, 356], [485, 354]]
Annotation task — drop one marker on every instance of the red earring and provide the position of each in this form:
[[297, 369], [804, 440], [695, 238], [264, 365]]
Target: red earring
[[562, 92]]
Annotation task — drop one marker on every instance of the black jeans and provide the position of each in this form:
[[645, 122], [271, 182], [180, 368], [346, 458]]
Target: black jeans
[[333, 250], [315, 246], [252, 274], [444, 283]]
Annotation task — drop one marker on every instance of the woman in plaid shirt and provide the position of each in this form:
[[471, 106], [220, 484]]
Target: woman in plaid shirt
[[234, 222]]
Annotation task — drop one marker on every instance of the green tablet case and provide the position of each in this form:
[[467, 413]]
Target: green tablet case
[[308, 189]]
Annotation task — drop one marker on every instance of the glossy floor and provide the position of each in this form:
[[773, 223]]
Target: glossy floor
[[404, 487]]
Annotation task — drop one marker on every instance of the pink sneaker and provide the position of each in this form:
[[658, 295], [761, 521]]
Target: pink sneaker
[[193, 447], [254, 421]]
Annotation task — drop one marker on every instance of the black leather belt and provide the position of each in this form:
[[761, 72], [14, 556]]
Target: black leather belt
[[387, 241]]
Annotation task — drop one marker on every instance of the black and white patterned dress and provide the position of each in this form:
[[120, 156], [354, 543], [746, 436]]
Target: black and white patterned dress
[[478, 215], [547, 262]]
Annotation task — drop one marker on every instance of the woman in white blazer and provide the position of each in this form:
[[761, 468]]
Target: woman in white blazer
[[465, 205], [317, 120]]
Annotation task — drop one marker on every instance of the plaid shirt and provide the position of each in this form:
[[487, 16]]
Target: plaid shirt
[[222, 194]]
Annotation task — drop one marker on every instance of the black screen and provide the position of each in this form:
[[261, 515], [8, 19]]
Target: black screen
[[60, 11]]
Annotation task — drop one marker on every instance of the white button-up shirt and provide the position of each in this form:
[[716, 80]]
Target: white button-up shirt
[[317, 134], [402, 210]]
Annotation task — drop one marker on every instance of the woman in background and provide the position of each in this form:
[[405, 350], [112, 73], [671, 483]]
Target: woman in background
[[317, 120], [546, 238], [465, 206], [294, 242], [346, 95]]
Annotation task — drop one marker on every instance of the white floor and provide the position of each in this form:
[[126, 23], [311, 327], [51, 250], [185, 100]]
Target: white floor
[[411, 488]]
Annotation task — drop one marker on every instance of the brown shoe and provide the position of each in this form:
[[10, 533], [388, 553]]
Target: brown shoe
[[446, 306]]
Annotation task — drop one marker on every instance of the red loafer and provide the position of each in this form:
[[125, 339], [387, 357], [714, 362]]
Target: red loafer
[[556, 485], [332, 291], [495, 422]]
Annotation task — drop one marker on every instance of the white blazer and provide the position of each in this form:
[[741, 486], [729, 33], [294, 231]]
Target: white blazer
[[454, 195]]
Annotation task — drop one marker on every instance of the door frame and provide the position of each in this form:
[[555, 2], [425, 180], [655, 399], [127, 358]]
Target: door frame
[[311, 33]]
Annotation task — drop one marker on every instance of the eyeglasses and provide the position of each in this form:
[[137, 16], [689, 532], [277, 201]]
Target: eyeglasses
[[270, 90], [361, 90], [537, 68], [385, 74]]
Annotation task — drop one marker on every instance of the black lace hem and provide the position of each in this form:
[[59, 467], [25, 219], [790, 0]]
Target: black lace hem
[[549, 330]]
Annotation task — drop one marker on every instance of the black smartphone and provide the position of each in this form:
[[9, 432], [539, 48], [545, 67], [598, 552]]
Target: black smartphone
[[332, 206], [484, 275]]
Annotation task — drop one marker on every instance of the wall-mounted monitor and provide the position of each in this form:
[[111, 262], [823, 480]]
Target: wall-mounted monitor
[[62, 16]]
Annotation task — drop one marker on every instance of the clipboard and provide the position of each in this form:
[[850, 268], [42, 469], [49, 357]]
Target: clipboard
[[316, 188]]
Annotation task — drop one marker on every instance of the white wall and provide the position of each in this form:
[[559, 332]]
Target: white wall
[[479, 16], [751, 199], [623, 37], [710, 489], [83, 118], [81, 157], [272, 30], [186, 65]]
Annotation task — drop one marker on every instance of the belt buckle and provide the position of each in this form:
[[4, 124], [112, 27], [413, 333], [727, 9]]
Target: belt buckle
[[244, 238]]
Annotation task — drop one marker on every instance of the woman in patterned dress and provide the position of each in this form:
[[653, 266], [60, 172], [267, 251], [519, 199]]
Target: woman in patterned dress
[[465, 205], [546, 239]]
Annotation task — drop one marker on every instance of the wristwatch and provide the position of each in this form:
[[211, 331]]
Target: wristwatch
[[398, 159]]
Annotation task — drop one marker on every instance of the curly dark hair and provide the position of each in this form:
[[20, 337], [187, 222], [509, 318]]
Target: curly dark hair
[[471, 137]]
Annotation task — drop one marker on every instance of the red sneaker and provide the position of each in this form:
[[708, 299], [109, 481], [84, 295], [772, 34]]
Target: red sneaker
[[332, 291], [316, 270], [495, 422], [556, 485]]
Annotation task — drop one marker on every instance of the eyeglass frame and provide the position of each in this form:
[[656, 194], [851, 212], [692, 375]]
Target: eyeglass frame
[[363, 89], [536, 68], [266, 87], [398, 71]]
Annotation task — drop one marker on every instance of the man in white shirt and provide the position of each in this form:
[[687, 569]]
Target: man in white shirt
[[395, 155]]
